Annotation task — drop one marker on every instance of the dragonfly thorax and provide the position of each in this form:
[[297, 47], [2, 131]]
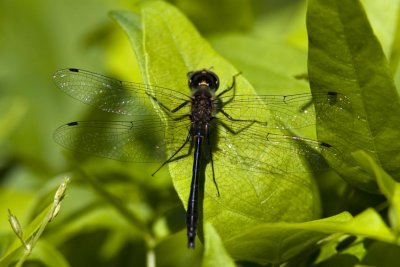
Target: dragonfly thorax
[[202, 111]]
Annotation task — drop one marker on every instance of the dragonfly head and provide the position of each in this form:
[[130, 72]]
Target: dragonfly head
[[203, 79]]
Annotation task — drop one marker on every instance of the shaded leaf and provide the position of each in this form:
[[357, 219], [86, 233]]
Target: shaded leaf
[[345, 56], [218, 16], [382, 255], [343, 244]]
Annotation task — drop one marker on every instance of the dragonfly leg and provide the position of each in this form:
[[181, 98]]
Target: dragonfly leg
[[212, 162], [232, 86], [173, 155], [167, 108], [229, 129]]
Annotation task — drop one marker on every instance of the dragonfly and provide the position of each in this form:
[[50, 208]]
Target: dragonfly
[[247, 126]]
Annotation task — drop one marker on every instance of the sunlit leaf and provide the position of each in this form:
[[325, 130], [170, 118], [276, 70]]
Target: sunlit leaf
[[215, 253], [387, 185], [172, 48], [278, 242]]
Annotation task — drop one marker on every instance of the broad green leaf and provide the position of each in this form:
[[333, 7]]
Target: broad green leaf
[[278, 242], [215, 253], [387, 185], [131, 24], [170, 252], [172, 47], [246, 199], [343, 244], [270, 66], [266, 57], [346, 57]]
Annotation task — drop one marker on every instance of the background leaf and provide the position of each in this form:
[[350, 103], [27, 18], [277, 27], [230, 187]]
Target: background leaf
[[215, 253], [387, 185], [345, 56], [279, 242]]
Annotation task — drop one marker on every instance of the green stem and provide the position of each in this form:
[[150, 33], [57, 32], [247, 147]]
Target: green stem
[[59, 195]]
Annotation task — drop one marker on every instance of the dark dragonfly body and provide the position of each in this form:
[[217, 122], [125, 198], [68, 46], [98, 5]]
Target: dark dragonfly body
[[203, 83], [204, 106], [245, 122]]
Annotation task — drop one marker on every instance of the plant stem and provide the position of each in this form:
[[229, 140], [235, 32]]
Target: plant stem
[[59, 195]]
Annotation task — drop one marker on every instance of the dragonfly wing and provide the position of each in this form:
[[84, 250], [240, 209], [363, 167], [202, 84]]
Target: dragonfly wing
[[258, 150], [135, 141], [287, 112], [132, 141], [111, 95]]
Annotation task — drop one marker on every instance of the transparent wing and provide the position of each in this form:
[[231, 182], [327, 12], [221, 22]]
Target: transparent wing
[[144, 140], [128, 98], [115, 96], [288, 111], [134, 141], [253, 148]]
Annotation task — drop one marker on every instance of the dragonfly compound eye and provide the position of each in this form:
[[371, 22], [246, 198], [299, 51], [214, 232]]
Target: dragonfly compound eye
[[203, 78]]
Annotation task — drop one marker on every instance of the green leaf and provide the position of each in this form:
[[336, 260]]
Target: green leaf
[[215, 253], [269, 56], [342, 245], [387, 185], [278, 242], [131, 23], [271, 67], [173, 252], [172, 47], [346, 57]]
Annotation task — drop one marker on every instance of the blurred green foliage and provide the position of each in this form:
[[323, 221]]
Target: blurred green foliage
[[116, 214]]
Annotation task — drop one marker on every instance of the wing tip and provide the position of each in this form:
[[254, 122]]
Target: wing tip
[[73, 69], [61, 73], [73, 123], [325, 144]]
